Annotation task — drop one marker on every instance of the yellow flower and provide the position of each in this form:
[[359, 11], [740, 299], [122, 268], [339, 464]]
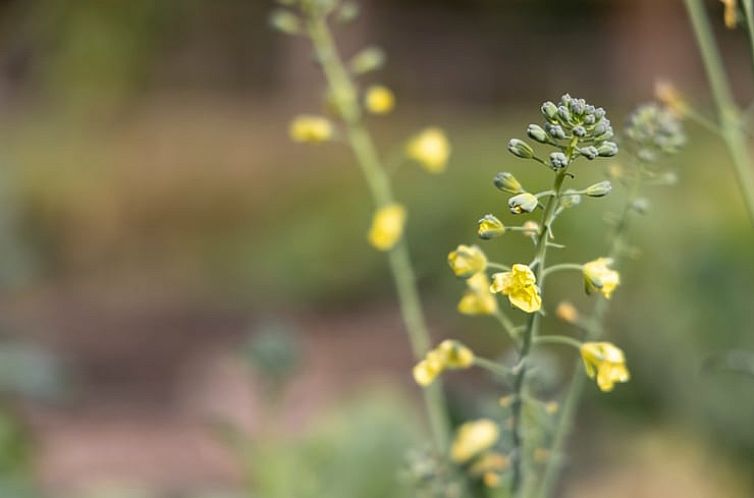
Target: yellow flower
[[310, 129], [597, 276], [567, 312], [457, 356], [431, 149], [478, 300], [669, 96], [379, 100], [731, 13], [473, 438], [605, 361], [520, 285], [427, 370], [490, 227], [449, 354], [387, 226], [465, 261]]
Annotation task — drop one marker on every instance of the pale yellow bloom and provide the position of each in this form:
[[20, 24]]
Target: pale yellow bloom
[[310, 129], [530, 228], [431, 149], [606, 362], [457, 356], [668, 95], [523, 203], [490, 465], [520, 285], [731, 13], [448, 354], [473, 438], [552, 407], [387, 226], [598, 276], [490, 227], [427, 370], [465, 261], [379, 100], [478, 300], [567, 312]]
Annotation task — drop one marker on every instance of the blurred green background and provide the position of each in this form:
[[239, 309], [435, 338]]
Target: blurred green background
[[189, 306]]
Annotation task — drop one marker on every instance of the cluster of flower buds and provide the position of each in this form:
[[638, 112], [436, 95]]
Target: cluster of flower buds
[[573, 126], [654, 131]]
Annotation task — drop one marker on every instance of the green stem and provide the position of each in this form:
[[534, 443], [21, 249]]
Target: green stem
[[593, 327], [494, 367], [532, 327], [561, 267], [498, 266], [344, 92], [749, 13], [730, 126], [558, 339]]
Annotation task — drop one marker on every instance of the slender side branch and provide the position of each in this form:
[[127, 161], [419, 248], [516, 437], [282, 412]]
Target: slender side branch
[[729, 114], [345, 96]]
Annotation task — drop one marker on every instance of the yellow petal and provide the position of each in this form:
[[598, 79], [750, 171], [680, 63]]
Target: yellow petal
[[387, 227]]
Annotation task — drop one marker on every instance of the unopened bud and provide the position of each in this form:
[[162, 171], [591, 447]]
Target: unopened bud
[[537, 133], [347, 12], [558, 160], [549, 110], [523, 203], [567, 312], [607, 149], [530, 228], [521, 149], [600, 189], [640, 205], [490, 227], [589, 152], [369, 59], [285, 22], [507, 183]]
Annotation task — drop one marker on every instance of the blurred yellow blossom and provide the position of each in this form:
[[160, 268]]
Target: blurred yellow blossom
[[490, 227], [668, 95], [478, 300], [520, 285], [598, 276], [387, 226], [379, 99], [431, 149], [490, 465], [731, 13], [465, 261], [530, 228], [310, 129], [605, 361], [448, 354], [473, 438], [567, 312]]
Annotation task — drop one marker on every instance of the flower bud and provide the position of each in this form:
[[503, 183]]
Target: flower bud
[[555, 131], [570, 199], [467, 261], [558, 160], [431, 149], [530, 228], [285, 22], [598, 276], [387, 226], [507, 183], [347, 12], [521, 149], [607, 149], [369, 59], [567, 312], [579, 131], [523, 203], [640, 205], [549, 110], [490, 227], [537, 133], [379, 99], [457, 356], [564, 113], [600, 189], [310, 129], [589, 152]]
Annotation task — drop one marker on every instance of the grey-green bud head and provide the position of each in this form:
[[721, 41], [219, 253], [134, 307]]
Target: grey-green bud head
[[549, 110], [600, 189], [570, 199], [507, 183], [589, 152], [654, 131], [607, 149], [558, 160], [537, 133], [521, 149]]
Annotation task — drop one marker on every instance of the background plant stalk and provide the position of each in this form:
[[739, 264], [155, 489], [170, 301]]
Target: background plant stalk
[[532, 328], [594, 330], [729, 120], [345, 96]]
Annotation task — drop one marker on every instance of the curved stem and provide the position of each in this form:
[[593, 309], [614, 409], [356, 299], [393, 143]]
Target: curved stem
[[498, 266], [558, 339], [593, 328], [493, 367], [730, 126], [378, 182], [561, 267], [507, 324]]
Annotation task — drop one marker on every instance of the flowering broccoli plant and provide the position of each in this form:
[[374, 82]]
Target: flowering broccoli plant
[[509, 457]]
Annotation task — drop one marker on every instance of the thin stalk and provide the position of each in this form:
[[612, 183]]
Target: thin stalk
[[594, 327], [532, 328], [558, 339], [728, 113], [344, 91], [749, 13], [561, 267]]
